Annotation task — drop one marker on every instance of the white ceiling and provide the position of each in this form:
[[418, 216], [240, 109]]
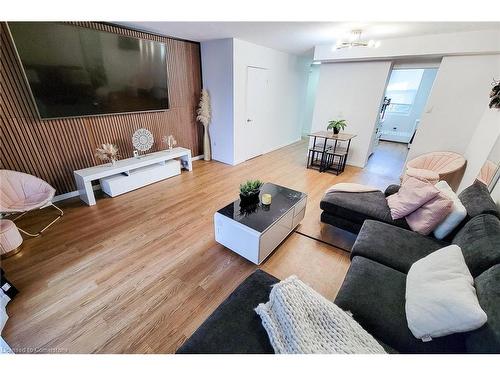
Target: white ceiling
[[300, 37]]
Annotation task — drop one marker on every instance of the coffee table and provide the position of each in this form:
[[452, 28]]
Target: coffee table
[[255, 231]]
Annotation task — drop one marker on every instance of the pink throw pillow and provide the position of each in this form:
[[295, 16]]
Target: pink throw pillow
[[422, 174], [430, 215], [413, 194]]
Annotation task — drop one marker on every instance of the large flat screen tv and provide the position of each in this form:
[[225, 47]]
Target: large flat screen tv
[[74, 71]]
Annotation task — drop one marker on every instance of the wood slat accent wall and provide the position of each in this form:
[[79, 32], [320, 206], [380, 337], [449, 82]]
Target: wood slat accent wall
[[53, 149]]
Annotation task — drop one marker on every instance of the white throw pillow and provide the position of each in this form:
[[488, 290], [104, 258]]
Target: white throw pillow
[[456, 216], [440, 296]]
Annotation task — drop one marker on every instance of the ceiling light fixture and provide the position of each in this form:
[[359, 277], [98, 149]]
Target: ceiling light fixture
[[355, 40]]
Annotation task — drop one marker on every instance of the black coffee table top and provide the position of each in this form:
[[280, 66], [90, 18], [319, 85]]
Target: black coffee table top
[[258, 216]]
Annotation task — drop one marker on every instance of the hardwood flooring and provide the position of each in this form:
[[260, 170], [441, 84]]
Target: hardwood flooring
[[388, 159], [140, 272]]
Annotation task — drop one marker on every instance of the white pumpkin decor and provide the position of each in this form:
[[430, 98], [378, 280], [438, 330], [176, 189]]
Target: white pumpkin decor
[[142, 140]]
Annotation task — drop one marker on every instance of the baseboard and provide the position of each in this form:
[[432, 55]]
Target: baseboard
[[72, 194], [75, 193]]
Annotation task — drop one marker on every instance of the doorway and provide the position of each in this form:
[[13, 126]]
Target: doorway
[[404, 100], [256, 113]]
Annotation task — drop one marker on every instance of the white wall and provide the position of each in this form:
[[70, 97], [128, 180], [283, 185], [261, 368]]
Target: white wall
[[405, 124], [456, 104], [224, 71], [217, 72], [352, 91], [462, 43], [482, 143], [287, 76]]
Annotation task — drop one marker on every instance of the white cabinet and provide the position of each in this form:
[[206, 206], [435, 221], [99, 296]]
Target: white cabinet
[[129, 174], [125, 182]]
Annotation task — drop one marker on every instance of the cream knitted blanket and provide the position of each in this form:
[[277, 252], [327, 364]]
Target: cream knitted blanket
[[351, 187], [298, 320]]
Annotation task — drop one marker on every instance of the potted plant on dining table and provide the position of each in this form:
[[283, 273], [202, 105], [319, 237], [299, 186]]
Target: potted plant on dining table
[[336, 125]]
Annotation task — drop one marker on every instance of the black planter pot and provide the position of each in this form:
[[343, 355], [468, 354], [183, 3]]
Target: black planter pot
[[247, 200], [336, 131]]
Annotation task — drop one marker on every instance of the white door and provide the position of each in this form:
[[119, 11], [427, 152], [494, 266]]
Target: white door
[[254, 132]]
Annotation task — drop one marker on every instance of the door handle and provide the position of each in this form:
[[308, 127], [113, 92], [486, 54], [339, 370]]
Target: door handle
[[249, 120]]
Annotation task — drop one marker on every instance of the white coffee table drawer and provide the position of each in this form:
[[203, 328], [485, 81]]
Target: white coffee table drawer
[[300, 206], [298, 218], [272, 237]]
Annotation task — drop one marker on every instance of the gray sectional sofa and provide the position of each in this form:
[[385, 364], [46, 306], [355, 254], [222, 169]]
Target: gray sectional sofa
[[349, 211], [374, 287]]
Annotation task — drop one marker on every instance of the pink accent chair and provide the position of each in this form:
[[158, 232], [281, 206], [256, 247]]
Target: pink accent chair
[[21, 193], [487, 172], [436, 166]]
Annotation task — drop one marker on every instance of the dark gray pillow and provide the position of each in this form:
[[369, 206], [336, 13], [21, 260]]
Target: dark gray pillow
[[487, 338], [391, 189], [479, 240], [477, 200]]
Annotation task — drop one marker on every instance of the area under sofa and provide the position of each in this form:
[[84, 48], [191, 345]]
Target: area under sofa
[[374, 288]]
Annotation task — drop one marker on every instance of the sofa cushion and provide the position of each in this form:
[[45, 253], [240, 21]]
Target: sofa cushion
[[234, 327], [395, 247], [479, 240], [477, 200], [340, 222], [440, 296], [457, 215], [358, 207], [375, 295], [487, 338], [414, 193], [426, 218]]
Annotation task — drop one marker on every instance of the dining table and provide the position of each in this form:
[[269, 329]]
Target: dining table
[[327, 154]]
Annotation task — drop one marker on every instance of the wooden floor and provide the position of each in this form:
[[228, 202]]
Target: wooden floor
[[140, 272]]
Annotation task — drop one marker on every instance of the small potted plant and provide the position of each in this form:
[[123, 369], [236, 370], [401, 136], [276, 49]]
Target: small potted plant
[[249, 191], [336, 125]]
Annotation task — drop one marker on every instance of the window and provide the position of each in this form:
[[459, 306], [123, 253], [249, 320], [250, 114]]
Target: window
[[402, 89]]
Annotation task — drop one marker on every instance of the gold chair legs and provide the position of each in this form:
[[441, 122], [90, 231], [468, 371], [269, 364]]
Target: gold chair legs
[[61, 213]]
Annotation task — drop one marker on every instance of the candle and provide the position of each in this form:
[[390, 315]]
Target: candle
[[266, 199]]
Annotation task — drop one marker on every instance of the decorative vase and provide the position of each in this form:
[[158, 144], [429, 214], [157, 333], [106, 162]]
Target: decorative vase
[[336, 131], [249, 199], [207, 153]]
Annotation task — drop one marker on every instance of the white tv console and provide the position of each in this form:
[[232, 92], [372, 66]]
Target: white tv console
[[130, 174]]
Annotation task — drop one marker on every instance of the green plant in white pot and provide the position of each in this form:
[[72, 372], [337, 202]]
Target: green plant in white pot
[[336, 125]]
